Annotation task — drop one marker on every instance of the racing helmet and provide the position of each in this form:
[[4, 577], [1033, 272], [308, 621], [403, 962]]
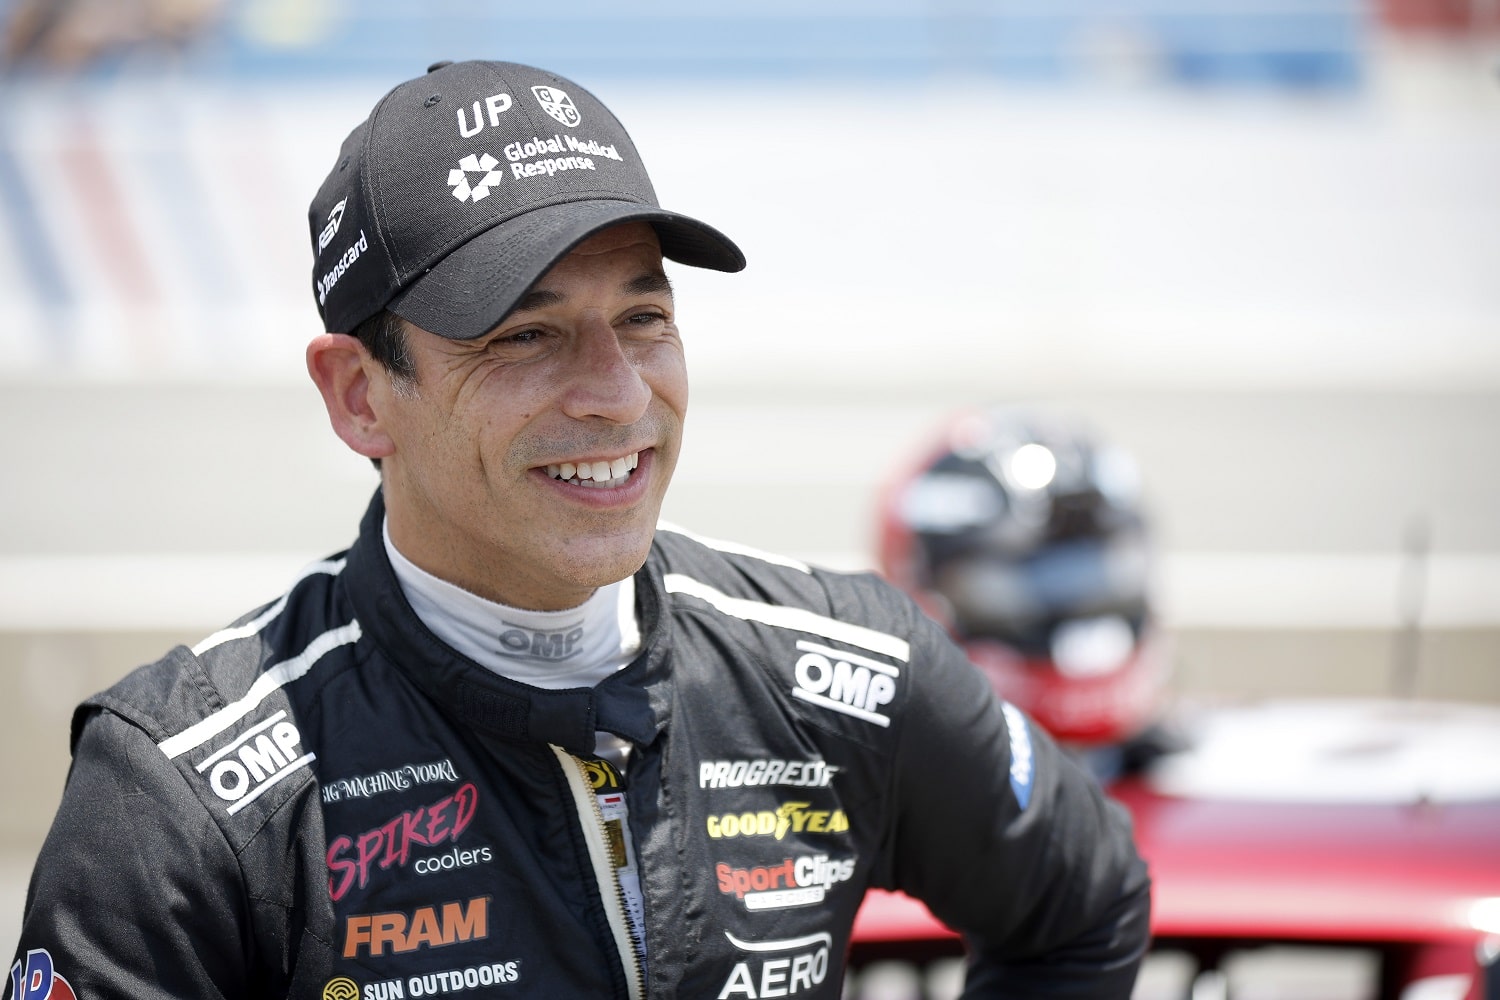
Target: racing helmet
[[1025, 537]]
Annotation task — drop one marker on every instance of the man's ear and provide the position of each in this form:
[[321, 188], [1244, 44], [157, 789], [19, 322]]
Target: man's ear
[[342, 369]]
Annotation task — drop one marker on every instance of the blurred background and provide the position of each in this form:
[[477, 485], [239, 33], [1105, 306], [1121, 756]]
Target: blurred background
[[1256, 243]]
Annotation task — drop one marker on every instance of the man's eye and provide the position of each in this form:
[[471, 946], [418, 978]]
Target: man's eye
[[647, 318], [521, 337]]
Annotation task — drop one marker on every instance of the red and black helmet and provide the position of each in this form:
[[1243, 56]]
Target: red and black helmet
[[1025, 537]]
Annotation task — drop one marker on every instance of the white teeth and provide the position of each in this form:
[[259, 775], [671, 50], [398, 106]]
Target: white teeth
[[595, 473]]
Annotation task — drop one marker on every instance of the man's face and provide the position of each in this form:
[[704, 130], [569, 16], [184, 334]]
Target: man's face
[[530, 464]]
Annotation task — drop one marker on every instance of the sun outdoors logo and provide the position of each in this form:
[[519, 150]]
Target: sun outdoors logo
[[557, 104], [329, 231], [341, 988], [458, 177]]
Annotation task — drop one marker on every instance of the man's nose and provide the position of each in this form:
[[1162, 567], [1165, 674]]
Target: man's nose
[[606, 382]]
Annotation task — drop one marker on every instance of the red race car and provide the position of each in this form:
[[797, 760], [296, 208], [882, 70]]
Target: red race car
[[1343, 850], [1319, 849]]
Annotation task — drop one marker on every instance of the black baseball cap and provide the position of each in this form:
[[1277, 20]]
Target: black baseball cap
[[465, 185]]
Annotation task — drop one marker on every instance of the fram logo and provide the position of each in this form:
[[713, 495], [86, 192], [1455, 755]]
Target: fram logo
[[433, 926], [247, 768], [37, 980], [845, 682]]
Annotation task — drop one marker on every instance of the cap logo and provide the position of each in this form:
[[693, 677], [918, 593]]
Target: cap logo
[[557, 104], [329, 231], [458, 177], [496, 104]]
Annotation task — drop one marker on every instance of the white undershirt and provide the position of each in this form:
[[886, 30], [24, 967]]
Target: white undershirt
[[575, 648]]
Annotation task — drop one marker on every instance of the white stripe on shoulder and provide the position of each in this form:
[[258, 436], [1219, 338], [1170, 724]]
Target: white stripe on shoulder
[[333, 567], [800, 619], [267, 683], [735, 548]]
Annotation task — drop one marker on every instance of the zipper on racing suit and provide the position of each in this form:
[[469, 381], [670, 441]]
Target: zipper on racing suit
[[592, 819]]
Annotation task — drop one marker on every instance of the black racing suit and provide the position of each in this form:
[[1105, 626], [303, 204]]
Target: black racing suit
[[326, 801]]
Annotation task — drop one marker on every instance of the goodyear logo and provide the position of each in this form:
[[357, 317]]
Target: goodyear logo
[[790, 817]]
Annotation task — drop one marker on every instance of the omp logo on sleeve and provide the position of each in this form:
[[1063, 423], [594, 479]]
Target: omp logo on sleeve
[[800, 964], [845, 682], [426, 927], [37, 980], [264, 754]]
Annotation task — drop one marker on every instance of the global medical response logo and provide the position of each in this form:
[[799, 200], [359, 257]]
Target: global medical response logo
[[35, 979], [558, 104], [483, 167], [778, 968], [794, 882], [789, 817]]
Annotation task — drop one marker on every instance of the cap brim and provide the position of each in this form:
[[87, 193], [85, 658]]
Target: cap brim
[[471, 290]]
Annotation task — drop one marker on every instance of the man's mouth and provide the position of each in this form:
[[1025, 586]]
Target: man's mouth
[[596, 475]]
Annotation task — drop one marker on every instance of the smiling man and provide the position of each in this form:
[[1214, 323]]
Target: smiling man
[[520, 740]]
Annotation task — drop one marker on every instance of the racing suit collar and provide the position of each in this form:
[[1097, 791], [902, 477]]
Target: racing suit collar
[[632, 703]]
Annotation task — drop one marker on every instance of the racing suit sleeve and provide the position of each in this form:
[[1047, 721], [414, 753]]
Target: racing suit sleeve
[[1011, 843], [136, 893]]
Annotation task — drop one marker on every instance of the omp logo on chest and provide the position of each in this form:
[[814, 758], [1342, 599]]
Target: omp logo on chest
[[790, 817], [558, 644], [845, 682], [264, 754], [436, 926]]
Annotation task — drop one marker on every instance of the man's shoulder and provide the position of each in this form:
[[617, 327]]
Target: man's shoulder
[[690, 563], [189, 683]]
